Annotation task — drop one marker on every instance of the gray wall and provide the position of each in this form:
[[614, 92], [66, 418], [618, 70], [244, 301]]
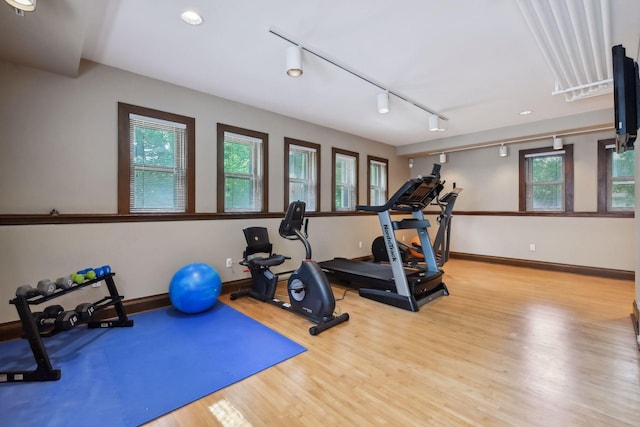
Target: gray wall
[[59, 144], [490, 184]]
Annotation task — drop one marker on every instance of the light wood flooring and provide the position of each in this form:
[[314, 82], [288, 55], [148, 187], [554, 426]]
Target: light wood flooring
[[509, 347]]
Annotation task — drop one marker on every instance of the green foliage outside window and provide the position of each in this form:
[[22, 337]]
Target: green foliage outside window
[[153, 147], [622, 188], [378, 179], [298, 165], [345, 183], [302, 176], [155, 170], [241, 175], [546, 175]]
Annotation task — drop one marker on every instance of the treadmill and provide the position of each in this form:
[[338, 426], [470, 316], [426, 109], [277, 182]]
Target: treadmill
[[393, 284]]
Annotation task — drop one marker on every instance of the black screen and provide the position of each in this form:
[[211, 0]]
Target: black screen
[[626, 86]]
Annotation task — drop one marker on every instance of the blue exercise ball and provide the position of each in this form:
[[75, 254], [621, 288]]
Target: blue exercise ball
[[195, 288]]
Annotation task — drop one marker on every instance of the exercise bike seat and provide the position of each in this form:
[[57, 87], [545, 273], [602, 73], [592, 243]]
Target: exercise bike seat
[[265, 262], [258, 243]]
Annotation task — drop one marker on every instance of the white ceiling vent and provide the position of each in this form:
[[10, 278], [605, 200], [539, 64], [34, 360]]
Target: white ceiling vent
[[575, 40]]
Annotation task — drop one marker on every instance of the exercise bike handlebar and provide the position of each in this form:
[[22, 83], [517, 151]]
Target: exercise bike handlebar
[[291, 225]]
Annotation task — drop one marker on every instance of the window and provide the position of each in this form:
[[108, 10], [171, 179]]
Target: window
[[616, 178], [242, 172], [302, 160], [156, 161], [378, 181], [546, 180], [345, 180]]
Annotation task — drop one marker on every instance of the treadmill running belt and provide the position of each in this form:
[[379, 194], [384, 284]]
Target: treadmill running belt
[[368, 269]]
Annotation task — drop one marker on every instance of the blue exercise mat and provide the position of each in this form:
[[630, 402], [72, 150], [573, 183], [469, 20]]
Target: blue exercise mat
[[129, 376]]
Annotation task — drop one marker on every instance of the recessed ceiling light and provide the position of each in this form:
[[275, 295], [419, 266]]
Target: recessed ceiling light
[[191, 17], [525, 112]]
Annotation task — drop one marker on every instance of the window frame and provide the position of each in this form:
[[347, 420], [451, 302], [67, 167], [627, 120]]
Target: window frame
[[334, 153], [568, 178], [370, 160], [124, 156], [604, 170], [288, 142], [220, 173]]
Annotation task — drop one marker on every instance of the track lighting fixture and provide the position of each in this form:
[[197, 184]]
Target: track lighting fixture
[[383, 102], [434, 123], [443, 158], [504, 151], [557, 143], [24, 5], [294, 69], [294, 61]]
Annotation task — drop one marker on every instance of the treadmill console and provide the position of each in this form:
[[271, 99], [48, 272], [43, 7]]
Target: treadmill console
[[416, 194]]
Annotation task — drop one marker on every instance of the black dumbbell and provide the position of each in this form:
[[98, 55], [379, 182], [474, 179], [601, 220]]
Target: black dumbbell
[[53, 311], [45, 288], [50, 312], [62, 322], [85, 311]]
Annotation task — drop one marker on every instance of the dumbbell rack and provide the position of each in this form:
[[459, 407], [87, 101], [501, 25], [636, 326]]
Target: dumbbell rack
[[44, 371]]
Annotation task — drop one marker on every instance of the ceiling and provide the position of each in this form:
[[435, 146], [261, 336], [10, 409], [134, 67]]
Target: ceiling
[[476, 63]]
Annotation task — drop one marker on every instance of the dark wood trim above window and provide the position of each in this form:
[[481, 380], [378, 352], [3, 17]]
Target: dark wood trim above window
[[124, 161]]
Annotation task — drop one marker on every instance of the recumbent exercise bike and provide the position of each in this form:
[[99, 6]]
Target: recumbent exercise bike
[[310, 293]]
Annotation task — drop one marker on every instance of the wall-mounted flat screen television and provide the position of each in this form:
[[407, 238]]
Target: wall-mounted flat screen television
[[626, 96]]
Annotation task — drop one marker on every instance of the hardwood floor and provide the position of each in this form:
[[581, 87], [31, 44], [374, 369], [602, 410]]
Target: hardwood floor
[[509, 347]]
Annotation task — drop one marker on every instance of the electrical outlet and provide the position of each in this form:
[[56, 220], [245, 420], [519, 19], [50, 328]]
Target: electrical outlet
[[360, 245], [532, 247], [229, 262]]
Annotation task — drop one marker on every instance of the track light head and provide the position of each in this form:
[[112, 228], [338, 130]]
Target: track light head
[[294, 61], [383, 102], [557, 143], [434, 123]]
